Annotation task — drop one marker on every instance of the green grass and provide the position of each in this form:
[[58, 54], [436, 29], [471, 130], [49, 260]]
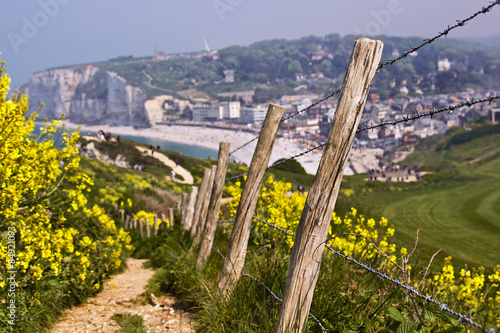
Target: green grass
[[130, 323], [462, 219], [347, 299], [458, 207]]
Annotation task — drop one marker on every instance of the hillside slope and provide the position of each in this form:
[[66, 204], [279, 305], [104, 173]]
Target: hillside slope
[[458, 204]]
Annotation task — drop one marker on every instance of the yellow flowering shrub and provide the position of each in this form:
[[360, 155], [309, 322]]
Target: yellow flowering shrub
[[353, 235], [276, 205], [47, 233], [150, 217], [469, 289]]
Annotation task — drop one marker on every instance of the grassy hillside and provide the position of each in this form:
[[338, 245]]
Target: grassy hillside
[[458, 205]]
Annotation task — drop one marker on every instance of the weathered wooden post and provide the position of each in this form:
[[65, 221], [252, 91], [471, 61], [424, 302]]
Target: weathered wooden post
[[148, 232], [238, 242], [188, 219], [135, 224], [156, 226], [184, 204], [171, 217], [199, 201], [141, 231], [122, 214], [204, 208], [207, 238], [305, 260], [127, 222]]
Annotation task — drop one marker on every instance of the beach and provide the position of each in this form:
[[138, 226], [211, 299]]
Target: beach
[[210, 138]]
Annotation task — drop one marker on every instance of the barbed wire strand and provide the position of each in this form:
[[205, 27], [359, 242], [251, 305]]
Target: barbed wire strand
[[271, 292], [228, 221], [430, 113], [243, 145], [333, 93], [460, 23], [442, 307]]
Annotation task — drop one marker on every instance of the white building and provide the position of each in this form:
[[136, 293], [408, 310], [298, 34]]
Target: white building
[[231, 110], [444, 65], [207, 112], [253, 115]]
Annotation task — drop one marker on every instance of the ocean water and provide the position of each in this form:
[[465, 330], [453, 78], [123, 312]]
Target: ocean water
[[193, 151]]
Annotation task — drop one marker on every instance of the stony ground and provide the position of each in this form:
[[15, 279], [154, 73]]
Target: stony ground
[[120, 296]]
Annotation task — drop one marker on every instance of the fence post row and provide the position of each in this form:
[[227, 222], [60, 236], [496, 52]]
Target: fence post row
[[204, 208], [307, 251], [214, 205], [199, 201], [238, 242], [188, 219]]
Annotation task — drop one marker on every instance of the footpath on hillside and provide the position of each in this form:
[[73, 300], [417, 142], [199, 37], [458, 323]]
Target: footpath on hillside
[[188, 178], [120, 296]]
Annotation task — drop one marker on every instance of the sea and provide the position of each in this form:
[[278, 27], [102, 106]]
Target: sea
[[193, 151]]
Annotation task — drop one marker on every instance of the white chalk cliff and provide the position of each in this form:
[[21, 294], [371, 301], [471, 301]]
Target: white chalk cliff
[[89, 95]]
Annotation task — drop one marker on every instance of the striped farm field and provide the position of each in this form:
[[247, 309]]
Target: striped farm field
[[458, 207]]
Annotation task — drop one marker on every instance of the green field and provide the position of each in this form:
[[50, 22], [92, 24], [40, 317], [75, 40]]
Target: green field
[[458, 207]]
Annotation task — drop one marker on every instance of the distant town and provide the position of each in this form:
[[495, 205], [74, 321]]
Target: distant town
[[313, 125]]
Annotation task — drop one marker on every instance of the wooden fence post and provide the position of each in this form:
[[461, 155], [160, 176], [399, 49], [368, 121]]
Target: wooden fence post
[[238, 242], [204, 208], [127, 222], [188, 219], [155, 230], [141, 228], [148, 232], [178, 206], [134, 224], [207, 238], [184, 203], [171, 217], [305, 260], [122, 214], [199, 201]]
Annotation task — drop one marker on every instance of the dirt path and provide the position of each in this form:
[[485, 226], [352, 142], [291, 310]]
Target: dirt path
[[188, 178], [118, 297]]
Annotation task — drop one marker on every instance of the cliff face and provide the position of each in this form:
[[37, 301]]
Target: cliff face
[[88, 95]]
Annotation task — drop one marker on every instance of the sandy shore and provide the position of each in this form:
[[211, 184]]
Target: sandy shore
[[210, 138]]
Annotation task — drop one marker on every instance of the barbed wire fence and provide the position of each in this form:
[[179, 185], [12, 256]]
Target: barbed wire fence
[[451, 108], [266, 287], [409, 289], [430, 113]]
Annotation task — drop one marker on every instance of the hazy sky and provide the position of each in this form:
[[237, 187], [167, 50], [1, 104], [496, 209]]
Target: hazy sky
[[39, 34]]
